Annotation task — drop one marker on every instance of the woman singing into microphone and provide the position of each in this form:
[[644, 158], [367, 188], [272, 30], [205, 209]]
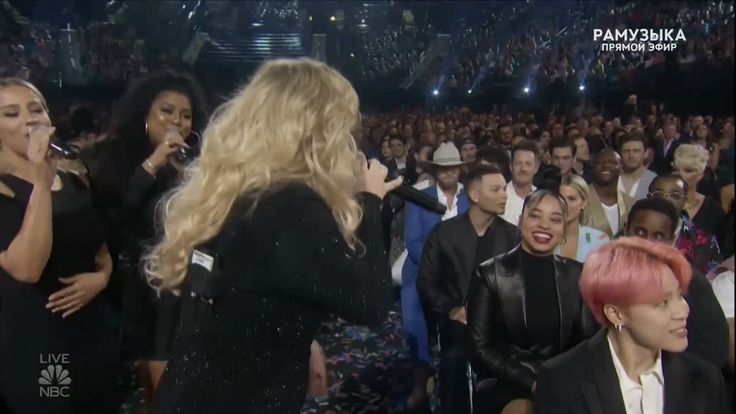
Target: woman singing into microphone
[[275, 226]]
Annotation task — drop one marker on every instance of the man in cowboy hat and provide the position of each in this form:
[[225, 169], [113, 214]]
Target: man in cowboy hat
[[445, 166]]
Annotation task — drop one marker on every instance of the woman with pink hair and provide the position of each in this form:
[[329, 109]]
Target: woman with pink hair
[[635, 364]]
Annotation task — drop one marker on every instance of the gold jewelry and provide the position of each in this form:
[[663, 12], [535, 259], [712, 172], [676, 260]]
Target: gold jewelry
[[150, 166]]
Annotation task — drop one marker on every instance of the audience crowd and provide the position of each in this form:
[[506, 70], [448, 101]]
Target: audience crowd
[[626, 214]]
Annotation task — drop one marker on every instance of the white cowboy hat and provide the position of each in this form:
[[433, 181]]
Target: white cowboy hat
[[446, 155]]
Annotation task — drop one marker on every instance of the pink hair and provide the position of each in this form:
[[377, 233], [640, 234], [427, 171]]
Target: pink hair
[[629, 271]]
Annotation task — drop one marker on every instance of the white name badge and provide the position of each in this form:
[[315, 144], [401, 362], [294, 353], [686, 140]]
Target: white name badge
[[203, 260]]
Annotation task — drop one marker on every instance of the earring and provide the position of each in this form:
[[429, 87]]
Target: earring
[[619, 328], [146, 125]]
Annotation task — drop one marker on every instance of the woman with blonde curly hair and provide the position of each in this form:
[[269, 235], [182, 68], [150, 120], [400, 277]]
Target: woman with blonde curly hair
[[690, 163], [275, 226]]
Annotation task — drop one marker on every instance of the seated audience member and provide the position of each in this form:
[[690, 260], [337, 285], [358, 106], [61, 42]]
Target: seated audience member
[[723, 287], [690, 164], [403, 162], [452, 252], [655, 219], [516, 321], [548, 178], [492, 155], [664, 151], [524, 165], [579, 240], [607, 207], [419, 222], [700, 248], [468, 150], [635, 177], [562, 152], [582, 165], [636, 364]]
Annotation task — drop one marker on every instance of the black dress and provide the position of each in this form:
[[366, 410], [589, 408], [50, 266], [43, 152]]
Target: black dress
[[709, 217], [282, 271], [129, 200], [50, 364]]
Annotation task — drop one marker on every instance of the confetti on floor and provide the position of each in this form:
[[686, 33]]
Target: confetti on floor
[[369, 370]]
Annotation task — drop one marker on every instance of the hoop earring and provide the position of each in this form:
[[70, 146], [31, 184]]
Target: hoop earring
[[198, 135], [146, 128]]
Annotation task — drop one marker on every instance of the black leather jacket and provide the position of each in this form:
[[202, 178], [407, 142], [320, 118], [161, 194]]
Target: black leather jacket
[[501, 346]]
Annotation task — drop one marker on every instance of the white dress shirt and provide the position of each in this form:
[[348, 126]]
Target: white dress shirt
[[644, 398], [634, 188], [400, 163], [514, 204], [612, 216], [723, 288], [450, 212]]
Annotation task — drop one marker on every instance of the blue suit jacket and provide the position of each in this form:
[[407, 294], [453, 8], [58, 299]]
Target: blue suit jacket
[[418, 223]]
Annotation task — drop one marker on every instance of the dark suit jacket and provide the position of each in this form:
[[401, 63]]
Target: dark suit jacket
[[662, 163], [501, 346], [418, 222], [584, 381], [706, 324], [409, 173], [449, 260]]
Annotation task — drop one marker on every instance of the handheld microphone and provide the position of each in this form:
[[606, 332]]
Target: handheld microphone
[[412, 195], [62, 149], [57, 146]]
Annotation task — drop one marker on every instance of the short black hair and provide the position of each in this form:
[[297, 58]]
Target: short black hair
[[562, 143], [549, 178], [477, 172], [397, 138], [525, 145], [668, 177], [659, 205], [632, 137], [495, 155]]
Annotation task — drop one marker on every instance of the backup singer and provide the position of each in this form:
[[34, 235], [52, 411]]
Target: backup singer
[[293, 231], [54, 265]]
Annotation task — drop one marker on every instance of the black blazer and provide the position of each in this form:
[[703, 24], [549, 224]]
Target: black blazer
[[410, 173], [501, 346], [449, 260], [662, 163], [584, 381], [281, 271]]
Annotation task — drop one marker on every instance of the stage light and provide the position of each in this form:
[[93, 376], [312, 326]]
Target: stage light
[[470, 91], [581, 87], [435, 92], [332, 18], [526, 89]]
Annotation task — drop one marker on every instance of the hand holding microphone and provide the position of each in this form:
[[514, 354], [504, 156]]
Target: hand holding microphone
[[374, 181], [39, 153], [163, 152]]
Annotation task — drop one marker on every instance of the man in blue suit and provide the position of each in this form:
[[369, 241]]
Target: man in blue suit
[[445, 166]]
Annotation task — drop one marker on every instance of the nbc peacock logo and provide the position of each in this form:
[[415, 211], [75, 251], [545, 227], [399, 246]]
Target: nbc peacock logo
[[54, 382]]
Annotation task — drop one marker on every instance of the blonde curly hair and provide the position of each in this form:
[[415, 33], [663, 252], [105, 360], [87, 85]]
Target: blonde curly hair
[[290, 123]]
